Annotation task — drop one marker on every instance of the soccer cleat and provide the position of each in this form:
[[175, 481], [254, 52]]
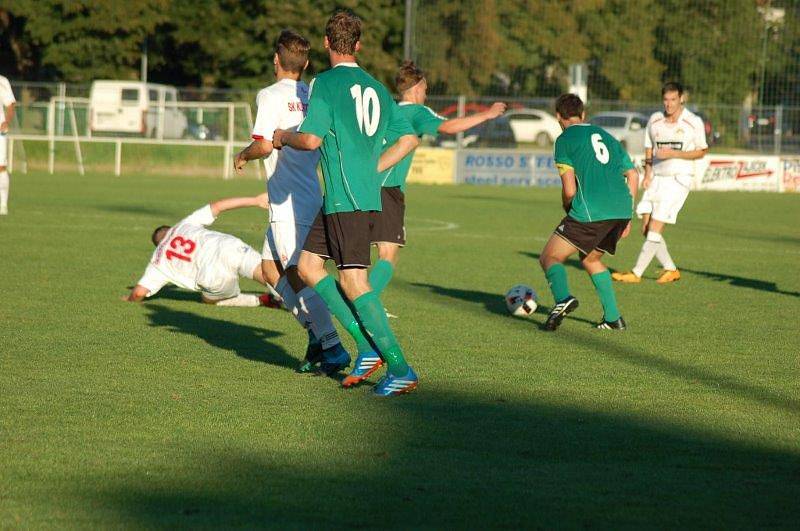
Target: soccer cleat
[[270, 301], [559, 311], [619, 324], [669, 276], [629, 277], [313, 355], [365, 366], [391, 385], [334, 359]]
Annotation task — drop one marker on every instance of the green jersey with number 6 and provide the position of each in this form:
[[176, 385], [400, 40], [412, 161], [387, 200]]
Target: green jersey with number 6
[[424, 122], [599, 162], [352, 113]]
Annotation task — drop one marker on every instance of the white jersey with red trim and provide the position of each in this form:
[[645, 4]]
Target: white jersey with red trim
[[190, 255], [686, 134], [293, 186]]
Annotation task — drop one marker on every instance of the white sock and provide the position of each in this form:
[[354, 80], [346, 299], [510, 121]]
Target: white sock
[[319, 317], [4, 186], [243, 299], [663, 256], [649, 248]]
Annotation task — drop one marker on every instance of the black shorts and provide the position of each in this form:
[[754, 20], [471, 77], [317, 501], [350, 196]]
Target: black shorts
[[600, 235], [389, 223], [344, 237]]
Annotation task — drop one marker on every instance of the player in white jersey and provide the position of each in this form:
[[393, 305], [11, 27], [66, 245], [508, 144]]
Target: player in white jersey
[[674, 139], [7, 103], [295, 200], [192, 257]]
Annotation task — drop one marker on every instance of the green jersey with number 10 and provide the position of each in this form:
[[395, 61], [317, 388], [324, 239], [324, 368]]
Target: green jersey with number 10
[[599, 162], [352, 113]]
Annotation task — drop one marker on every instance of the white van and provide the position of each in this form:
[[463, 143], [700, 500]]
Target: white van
[[132, 108]]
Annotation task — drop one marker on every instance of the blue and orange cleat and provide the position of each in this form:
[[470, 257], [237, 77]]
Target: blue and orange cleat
[[334, 359], [391, 385], [365, 366]]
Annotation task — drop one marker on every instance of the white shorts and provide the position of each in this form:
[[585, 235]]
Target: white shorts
[[665, 197], [3, 150], [219, 280], [283, 242]]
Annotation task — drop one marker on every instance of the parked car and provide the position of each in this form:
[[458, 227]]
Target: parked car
[[132, 108], [534, 126], [627, 127], [494, 133]]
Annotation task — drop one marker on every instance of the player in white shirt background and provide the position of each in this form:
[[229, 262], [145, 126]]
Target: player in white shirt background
[[295, 200], [674, 139], [7, 103], [193, 257]]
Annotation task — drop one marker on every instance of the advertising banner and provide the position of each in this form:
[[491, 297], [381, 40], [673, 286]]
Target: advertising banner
[[738, 172], [432, 166], [506, 167], [791, 174]]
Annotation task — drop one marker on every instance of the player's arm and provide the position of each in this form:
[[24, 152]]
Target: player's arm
[[301, 141], [258, 149], [648, 168], [569, 185], [137, 294], [232, 203], [694, 154], [395, 153], [459, 125], [9, 110]]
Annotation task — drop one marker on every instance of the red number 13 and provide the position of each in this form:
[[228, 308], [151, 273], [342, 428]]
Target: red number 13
[[187, 246]]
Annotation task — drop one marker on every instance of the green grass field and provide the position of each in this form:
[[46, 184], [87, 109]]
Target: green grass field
[[177, 414]]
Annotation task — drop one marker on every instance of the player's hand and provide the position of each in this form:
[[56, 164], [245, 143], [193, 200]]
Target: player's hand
[[4, 127], [262, 201], [277, 138], [646, 182], [627, 230], [239, 163], [668, 153], [497, 109]]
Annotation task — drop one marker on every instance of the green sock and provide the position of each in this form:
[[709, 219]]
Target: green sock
[[380, 275], [336, 304], [556, 276], [602, 283], [372, 314]]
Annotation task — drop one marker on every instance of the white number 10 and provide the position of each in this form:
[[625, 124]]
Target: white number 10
[[368, 109], [600, 149]]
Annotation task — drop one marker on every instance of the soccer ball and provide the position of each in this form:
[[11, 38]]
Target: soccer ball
[[521, 301]]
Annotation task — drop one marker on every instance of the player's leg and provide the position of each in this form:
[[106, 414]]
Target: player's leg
[[388, 234], [674, 197], [644, 210], [609, 234], [227, 293], [563, 243], [5, 181]]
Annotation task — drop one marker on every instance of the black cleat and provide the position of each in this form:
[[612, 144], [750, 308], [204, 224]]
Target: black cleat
[[619, 324], [559, 311], [313, 356]]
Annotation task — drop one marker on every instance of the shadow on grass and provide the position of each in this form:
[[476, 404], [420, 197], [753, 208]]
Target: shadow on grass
[[743, 282], [571, 262], [454, 460], [249, 342], [492, 302], [138, 209]]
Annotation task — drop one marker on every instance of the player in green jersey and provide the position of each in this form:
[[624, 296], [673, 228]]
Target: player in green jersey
[[598, 202], [350, 114], [388, 232]]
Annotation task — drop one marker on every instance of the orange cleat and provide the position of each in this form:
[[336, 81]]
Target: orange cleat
[[669, 276], [629, 277]]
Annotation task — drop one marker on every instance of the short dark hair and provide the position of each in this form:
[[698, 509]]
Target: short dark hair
[[407, 76], [158, 235], [343, 31], [292, 49], [569, 106], [672, 86]]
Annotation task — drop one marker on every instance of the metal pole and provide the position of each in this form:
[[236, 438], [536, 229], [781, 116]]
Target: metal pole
[[778, 128], [143, 72], [118, 158], [462, 103], [10, 154], [408, 31], [78, 153], [51, 133]]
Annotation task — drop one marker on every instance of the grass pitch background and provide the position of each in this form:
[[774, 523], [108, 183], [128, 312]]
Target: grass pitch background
[[173, 413]]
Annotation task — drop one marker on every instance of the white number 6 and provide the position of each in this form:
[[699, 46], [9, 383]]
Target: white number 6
[[600, 149]]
